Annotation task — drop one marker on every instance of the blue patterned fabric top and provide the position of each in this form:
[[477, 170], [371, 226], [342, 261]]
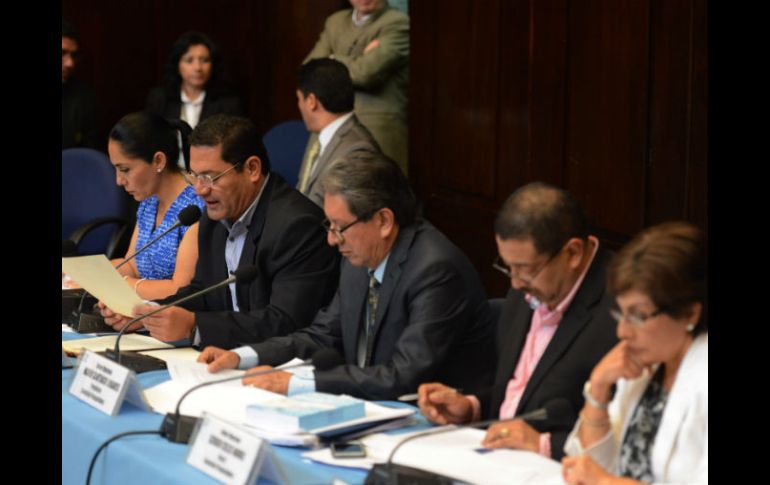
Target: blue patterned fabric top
[[158, 261]]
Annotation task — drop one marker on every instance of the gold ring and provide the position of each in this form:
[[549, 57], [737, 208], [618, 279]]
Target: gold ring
[[504, 432]]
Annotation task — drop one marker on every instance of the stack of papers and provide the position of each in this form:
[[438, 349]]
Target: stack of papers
[[229, 401], [305, 412], [131, 341], [457, 454]]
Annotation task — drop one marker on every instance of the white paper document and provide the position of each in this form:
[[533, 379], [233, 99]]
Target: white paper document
[[186, 354], [453, 454], [195, 372], [100, 278], [131, 341]]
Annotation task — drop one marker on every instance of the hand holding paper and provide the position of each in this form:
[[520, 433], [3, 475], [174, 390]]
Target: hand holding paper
[[97, 275]]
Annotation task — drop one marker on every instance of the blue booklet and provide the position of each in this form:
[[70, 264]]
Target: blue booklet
[[305, 412]]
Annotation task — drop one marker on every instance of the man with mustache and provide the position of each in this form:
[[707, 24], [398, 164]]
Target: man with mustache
[[553, 328]]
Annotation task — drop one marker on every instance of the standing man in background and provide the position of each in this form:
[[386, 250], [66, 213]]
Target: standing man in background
[[372, 40], [78, 108]]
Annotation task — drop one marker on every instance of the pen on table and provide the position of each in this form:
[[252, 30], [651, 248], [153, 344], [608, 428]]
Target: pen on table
[[415, 396]]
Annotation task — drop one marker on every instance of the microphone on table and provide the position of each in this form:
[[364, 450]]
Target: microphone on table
[[556, 411], [143, 363], [86, 322], [177, 428]]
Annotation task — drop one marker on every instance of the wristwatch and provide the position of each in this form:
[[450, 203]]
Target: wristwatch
[[590, 398]]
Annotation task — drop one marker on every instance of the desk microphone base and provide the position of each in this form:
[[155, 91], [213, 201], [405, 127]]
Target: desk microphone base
[[136, 362], [392, 474], [178, 430]]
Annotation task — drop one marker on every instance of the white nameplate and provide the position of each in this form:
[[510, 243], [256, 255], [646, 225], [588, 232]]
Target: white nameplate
[[224, 451], [102, 383]]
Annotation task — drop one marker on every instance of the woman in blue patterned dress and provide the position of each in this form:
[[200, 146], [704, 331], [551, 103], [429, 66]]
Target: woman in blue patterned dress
[[645, 418], [144, 148]]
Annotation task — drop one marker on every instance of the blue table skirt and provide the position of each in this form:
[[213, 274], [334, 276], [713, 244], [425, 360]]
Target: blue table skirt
[[150, 459]]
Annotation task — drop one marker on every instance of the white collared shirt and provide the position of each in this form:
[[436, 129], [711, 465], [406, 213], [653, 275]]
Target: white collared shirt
[[328, 131], [191, 110], [364, 19]]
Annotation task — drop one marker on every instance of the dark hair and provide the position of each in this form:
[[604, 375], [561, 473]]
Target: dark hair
[[67, 30], [238, 136], [330, 81], [547, 214], [142, 134], [666, 262], [369, 181], [172, 78]]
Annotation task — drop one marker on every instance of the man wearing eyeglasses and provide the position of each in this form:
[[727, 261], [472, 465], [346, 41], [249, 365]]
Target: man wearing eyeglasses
[[253, 218], [409, 307], [553, 328]]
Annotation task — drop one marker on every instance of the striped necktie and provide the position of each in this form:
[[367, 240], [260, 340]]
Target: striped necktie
[[371, 316]]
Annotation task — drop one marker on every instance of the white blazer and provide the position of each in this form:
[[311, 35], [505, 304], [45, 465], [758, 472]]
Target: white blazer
[[681, 448]]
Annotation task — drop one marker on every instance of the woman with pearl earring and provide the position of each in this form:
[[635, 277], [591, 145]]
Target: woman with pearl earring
[[645, 418], [144, 148]]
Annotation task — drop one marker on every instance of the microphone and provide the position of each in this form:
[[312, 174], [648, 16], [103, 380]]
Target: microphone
[[187, 217], [177, 428], [556, 411], [143, 363], [86, 322]]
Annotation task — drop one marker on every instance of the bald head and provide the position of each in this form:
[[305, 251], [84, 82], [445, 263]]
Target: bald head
[[545, 213]]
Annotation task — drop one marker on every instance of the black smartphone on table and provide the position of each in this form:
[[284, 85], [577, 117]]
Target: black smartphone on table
[[349, 449]]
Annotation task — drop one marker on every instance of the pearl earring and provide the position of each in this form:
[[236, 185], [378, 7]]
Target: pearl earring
[[690, 327], [158, 170]]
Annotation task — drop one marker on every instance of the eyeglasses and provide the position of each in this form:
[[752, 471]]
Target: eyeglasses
[[634, 318], [207, 181], [337, 232], [509, 273]]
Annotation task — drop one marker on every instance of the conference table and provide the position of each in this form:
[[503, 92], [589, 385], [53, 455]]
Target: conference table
[[150, 459]]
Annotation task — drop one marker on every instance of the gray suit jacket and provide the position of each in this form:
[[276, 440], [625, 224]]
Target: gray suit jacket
[[350, 137], [432, 323], [381, 76]]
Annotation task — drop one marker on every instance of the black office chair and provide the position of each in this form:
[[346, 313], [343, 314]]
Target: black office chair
[[285, 144], [495, 308], [94, 209]]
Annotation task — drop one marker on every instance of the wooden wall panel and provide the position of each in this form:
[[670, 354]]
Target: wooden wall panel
[[607, 128], [604, 98], [466, 117]]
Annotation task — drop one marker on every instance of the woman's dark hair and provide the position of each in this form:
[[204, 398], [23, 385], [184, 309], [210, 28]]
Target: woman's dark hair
[[171, 77], [142, 134], [666, 262]]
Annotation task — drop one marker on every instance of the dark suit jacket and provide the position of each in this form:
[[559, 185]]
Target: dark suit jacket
[[161, 103], [586, 333], [78, 116], [297, 271], [432, 323], [350, 137]]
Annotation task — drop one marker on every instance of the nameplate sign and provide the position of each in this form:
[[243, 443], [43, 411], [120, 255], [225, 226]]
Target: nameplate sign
[[224, 451], [101, 382]]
